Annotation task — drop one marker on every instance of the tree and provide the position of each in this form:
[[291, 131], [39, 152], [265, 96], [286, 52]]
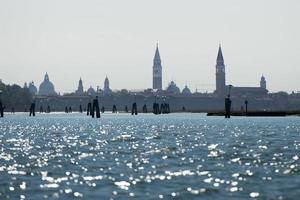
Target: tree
[[15, 96]]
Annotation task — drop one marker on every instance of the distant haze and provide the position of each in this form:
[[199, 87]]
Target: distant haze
[[70, 39]]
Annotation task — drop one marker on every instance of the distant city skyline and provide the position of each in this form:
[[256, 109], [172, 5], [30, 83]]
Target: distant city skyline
[[94, 39]]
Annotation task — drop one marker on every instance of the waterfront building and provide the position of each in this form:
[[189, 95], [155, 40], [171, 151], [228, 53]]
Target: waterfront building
[[157, 71], [250, 91], [47, 88], [222, 89]]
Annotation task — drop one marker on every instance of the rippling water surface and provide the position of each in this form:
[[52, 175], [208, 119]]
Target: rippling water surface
[[175, 156]]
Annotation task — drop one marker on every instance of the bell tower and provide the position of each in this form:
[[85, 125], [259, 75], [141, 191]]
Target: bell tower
[[157, 70], [263, 82], [220, 74]]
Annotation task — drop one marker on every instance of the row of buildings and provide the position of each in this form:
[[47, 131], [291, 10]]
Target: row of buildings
[[222, 89], [46, 88]]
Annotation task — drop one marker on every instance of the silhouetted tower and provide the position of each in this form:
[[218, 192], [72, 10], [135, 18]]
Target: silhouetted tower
[[80, 87], [106, 88], [157, 71], [263, 83], [106, 83], [220, 74]]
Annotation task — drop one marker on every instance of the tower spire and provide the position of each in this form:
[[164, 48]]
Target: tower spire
[[220, 55], [157, 55], [220, 74], [157, 70]]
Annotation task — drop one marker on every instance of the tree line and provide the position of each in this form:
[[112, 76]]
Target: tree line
[[14, 97]]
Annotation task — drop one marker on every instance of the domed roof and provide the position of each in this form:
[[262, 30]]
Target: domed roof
[[91, 91], [46, 87], [186, 91], [32, 88], [172, 88]]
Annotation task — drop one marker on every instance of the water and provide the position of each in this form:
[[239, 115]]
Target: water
[[175, 156]]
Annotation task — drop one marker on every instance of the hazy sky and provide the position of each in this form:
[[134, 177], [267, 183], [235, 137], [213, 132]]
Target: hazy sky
[[94, 38]]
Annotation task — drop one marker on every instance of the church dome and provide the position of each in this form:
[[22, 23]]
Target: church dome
[[186, 91], [32, 89], [46, 87], [91, 91], [172, 88]]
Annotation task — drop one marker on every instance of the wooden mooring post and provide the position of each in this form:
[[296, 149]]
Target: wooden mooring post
[[114, 109], [32, 110], [96, 108], [1, 109], [145, 108], [134, 109], [89, 109]]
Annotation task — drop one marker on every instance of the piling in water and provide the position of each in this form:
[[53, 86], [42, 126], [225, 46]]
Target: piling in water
[[96, 108], [92, 111], [168, 108], [89, 109], [145, 108], [126, 109], [80, 108], [156, 109], [134, 109], [41, 109], [66, 109], [114, 109], [1, 109], [246, 105], [32, 110], [227, 107], [48, 109], [164, 109]]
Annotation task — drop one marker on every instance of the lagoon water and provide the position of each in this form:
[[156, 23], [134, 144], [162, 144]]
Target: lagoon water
[[174, 156]]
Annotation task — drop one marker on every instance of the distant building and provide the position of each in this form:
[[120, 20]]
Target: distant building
[[91, 91], [172, 88], [220, 74], [32, 89], [263, 82], [106, 89], [47, 88], [248, 91], [157, 71], [186, 91], [80, 90], [222, 89]]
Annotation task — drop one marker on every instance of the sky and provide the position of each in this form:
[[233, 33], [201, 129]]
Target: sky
[[92, 39]]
